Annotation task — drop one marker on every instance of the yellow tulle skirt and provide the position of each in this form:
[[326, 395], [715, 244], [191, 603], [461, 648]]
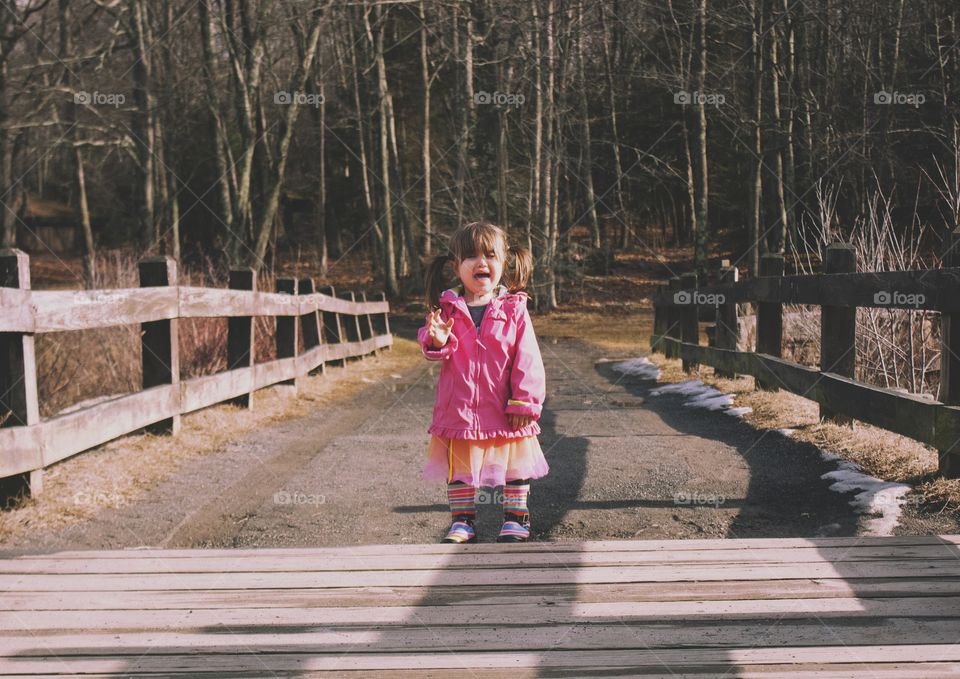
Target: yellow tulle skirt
[[490, 463]]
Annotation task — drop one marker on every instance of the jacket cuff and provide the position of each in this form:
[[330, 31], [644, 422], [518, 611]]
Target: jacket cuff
[[443, 352], [515, 407]]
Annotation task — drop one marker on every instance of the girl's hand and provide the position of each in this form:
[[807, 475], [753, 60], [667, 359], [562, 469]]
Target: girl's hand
[[519, 421], [437, 330]]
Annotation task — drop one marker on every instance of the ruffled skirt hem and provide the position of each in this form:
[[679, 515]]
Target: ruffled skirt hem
[[485, 463]]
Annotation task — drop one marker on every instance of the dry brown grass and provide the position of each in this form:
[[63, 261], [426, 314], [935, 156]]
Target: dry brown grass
[[118, 472]]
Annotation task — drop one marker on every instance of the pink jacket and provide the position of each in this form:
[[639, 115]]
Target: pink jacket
[[486, 376]]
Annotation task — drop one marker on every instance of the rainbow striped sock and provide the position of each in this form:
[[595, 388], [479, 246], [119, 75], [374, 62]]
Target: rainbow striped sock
[[516, 516], [461, 499]]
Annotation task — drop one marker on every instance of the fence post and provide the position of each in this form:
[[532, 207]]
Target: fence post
[[310, 322], [770, 318], [838, 325], [386, 320], [332, 327], [160, 340], [727, 333], [241, 337], [286, 337], [352, 324], [673, 319], [19, 404], [690, 317], [369, 320], [949, 465], [659, 319]]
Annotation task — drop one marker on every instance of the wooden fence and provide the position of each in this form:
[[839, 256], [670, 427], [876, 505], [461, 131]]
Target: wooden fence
[[839, 291], [332, 329]]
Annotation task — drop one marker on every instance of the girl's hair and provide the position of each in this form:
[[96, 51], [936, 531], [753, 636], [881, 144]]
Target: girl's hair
[[470, 240]]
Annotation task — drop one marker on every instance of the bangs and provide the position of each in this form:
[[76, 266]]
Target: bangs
[[476, 238]]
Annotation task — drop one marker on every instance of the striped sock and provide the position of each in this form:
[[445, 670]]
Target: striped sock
[[461, 499], [515, 498], [516, 522]]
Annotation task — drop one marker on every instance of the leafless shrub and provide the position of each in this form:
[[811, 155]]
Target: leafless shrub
[[896, 348]]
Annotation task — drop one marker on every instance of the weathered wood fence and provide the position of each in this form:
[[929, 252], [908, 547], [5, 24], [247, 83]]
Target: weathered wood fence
[[332, 329], [838, 291]]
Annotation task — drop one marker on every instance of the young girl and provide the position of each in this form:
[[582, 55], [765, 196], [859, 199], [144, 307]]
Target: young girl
[[491, 386]]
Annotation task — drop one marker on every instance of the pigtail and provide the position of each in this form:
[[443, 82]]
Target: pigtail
[[435, 283], [519, 275]]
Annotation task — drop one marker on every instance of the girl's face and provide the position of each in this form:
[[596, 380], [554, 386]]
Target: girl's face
[[481, 273]]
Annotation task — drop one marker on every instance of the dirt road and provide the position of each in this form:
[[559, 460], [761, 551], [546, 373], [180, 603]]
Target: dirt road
[[622, 466]]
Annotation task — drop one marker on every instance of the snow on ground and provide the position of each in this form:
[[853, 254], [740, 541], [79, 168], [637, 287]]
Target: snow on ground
[[883, 498], [638, 367], [699, 395]]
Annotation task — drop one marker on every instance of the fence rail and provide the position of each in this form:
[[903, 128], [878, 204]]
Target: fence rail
[[839, 292], [331, 328]]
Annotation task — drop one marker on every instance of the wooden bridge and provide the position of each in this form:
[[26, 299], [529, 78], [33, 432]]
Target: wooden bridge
[[831, 607]]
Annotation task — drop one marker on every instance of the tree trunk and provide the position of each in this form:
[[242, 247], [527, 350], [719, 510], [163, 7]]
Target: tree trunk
[[700, 247], [585, 142], [778, 241], [609, 63], [389, 252], [756, 188], [142, 124], [427, 83], [273, 196]]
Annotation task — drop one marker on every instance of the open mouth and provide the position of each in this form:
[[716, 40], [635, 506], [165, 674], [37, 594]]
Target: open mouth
[[483, 276]]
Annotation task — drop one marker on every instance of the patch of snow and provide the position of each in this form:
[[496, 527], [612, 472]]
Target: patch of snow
[[711, 401], [689, 388], [639, 367], [699, 395], [876, 497], [786, 431], [739, 412]]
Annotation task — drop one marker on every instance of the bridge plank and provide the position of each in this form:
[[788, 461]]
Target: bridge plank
[[949, 567], [489, 595], [678, 546], [203, 563], [532, 614], [662, 659]]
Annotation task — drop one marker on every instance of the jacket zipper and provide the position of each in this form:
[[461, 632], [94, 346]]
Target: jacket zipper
[[476, 381]]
